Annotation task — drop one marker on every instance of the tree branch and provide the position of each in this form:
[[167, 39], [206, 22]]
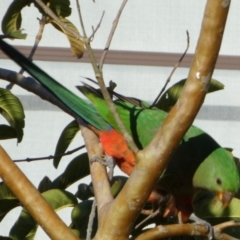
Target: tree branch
[[220, 227], [97, 27], [101, 184], [51, 156], [110, 37], [173, 230], [99, 76], [32, 200], [152, 161], [170, 76]]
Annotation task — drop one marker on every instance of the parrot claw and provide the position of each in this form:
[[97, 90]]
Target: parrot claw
[[111, 164], [108, 162], [99, 160], [210, 230]]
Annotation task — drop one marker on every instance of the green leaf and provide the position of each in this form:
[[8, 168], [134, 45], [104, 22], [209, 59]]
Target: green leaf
[[44, 184], [77, 169], [117, 184], [61, 7], [80, 217], [59, 199], [66, 137], [11, 108], [170, 96], [12, 19], [74, 230], [7, 132], [81, 212], [8, 201], [85, 191], [25, 227], [77, 46]]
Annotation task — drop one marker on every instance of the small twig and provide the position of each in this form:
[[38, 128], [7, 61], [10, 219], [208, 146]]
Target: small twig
[[99, 77], [220, 227], [194, 229], [97, 27], [114, 26], [109, 161], [80, 18], [173, 70], [38, 38], [180, 221], [51, 156], [150, 216], [91, 219]]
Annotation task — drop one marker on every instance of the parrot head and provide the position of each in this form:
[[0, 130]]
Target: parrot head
[[218, 173]]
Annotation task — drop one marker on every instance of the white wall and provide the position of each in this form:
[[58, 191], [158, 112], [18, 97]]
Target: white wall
[[145, 26]]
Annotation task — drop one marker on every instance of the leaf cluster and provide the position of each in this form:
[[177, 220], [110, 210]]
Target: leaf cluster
[[12, 21]]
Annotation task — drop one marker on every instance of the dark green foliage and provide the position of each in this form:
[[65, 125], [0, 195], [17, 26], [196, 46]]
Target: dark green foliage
[[77, 169], [64, 141], [8, 201], [12, 110]]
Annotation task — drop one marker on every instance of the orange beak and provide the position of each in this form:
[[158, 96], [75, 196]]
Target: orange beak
[[225, 197]]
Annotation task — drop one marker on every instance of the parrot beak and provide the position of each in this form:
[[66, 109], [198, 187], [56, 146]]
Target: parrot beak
[[225, 197]]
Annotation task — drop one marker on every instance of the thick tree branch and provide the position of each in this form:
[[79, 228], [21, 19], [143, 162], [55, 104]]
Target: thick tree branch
[[101, 184], [32, 200], [152, 161]]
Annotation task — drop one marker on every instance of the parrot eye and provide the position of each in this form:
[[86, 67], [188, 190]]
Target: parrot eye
[[219, 181]]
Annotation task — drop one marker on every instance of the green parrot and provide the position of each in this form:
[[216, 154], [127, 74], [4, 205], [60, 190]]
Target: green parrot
[[199, 161]]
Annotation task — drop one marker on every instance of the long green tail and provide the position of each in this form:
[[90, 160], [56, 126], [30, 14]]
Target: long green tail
[[79, 106]]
